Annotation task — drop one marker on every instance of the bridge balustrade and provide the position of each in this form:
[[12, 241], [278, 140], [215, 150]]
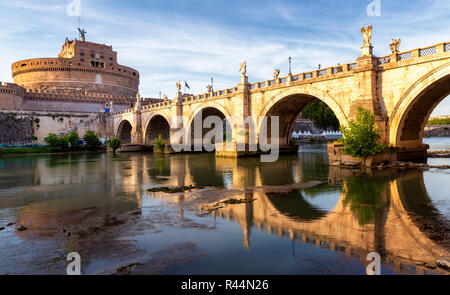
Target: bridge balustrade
[[384, 60], [447, 47], [406, 55], [352, 66], [427, 51], [336, 70], [322, 73], [307, 76]]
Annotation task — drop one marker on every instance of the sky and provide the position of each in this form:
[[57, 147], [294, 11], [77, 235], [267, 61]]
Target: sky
[[195, 40]]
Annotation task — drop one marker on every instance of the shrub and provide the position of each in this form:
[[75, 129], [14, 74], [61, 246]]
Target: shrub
[[160, 143], [57, 144], [73, 140], [114, 144], [361, 136], [91, 140]]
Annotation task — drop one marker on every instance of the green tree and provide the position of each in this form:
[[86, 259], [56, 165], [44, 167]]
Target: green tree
[[91, 139], [73, 140], [57, 144], [52, 140], [160, 143], [361, 136], [114, 144], [322, 116]]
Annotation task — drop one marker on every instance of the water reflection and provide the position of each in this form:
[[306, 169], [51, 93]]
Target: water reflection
[[390, 211]]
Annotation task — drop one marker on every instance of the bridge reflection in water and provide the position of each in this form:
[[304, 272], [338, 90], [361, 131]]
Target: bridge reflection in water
[[389, 212]]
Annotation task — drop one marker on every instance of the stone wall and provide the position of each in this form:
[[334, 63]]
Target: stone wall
[[15, 130], [20, 127]]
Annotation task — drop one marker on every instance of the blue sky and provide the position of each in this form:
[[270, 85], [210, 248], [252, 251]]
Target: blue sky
[[195, 40]]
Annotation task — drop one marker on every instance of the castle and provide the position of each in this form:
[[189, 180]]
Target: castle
[[85, 77], [84, 81]]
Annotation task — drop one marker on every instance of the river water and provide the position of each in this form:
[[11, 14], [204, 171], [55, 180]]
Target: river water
[[99, 206]]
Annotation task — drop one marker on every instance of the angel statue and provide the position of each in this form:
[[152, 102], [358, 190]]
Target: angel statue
[[165, 97], [276, 73], [367, 33], [395, 45], [243, 68], [82, 34], [210, 88], [178, 86]]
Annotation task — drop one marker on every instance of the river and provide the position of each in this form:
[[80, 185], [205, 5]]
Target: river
[[99, 206]]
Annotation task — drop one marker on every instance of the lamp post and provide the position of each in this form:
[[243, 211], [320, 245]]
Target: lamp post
[[212, 84], [290, 60]]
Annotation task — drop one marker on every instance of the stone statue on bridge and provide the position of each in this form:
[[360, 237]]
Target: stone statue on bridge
[[395, 45], [276, 73], [179, 86], [209, 88], [243, 68], [367, 33]]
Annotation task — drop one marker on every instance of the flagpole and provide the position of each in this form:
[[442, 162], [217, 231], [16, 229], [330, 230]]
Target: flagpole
[[184, 86]]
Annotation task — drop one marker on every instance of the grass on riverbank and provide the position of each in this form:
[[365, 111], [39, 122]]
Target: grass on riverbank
[[33, 150], [43, 150]]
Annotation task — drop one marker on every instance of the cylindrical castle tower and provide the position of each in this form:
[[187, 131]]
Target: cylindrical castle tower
[[80, 67]]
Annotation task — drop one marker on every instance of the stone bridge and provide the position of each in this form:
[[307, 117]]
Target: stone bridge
[[402, 89]]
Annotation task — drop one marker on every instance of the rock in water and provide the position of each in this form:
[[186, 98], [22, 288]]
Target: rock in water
[[443, 264], [21, 228]]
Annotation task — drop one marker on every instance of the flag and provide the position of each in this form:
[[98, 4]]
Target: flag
[[186, 85]]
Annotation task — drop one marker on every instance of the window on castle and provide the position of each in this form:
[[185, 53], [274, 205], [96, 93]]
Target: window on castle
[[81, 52], [92, 54], [97, 64], [110, 57], [102, 56]]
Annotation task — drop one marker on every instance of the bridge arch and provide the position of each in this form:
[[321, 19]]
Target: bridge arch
[[124, 131], [205, 110], [157, 124], [289, 103], [410, 115]]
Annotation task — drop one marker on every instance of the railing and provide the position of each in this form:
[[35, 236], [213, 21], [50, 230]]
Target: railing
[[447, 47], [352, 66], [296, 78], [322, 73], [427, 51], [336, 70], [384, 60], [272, 82], [307, 76], [283, 81], [405, 55]]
